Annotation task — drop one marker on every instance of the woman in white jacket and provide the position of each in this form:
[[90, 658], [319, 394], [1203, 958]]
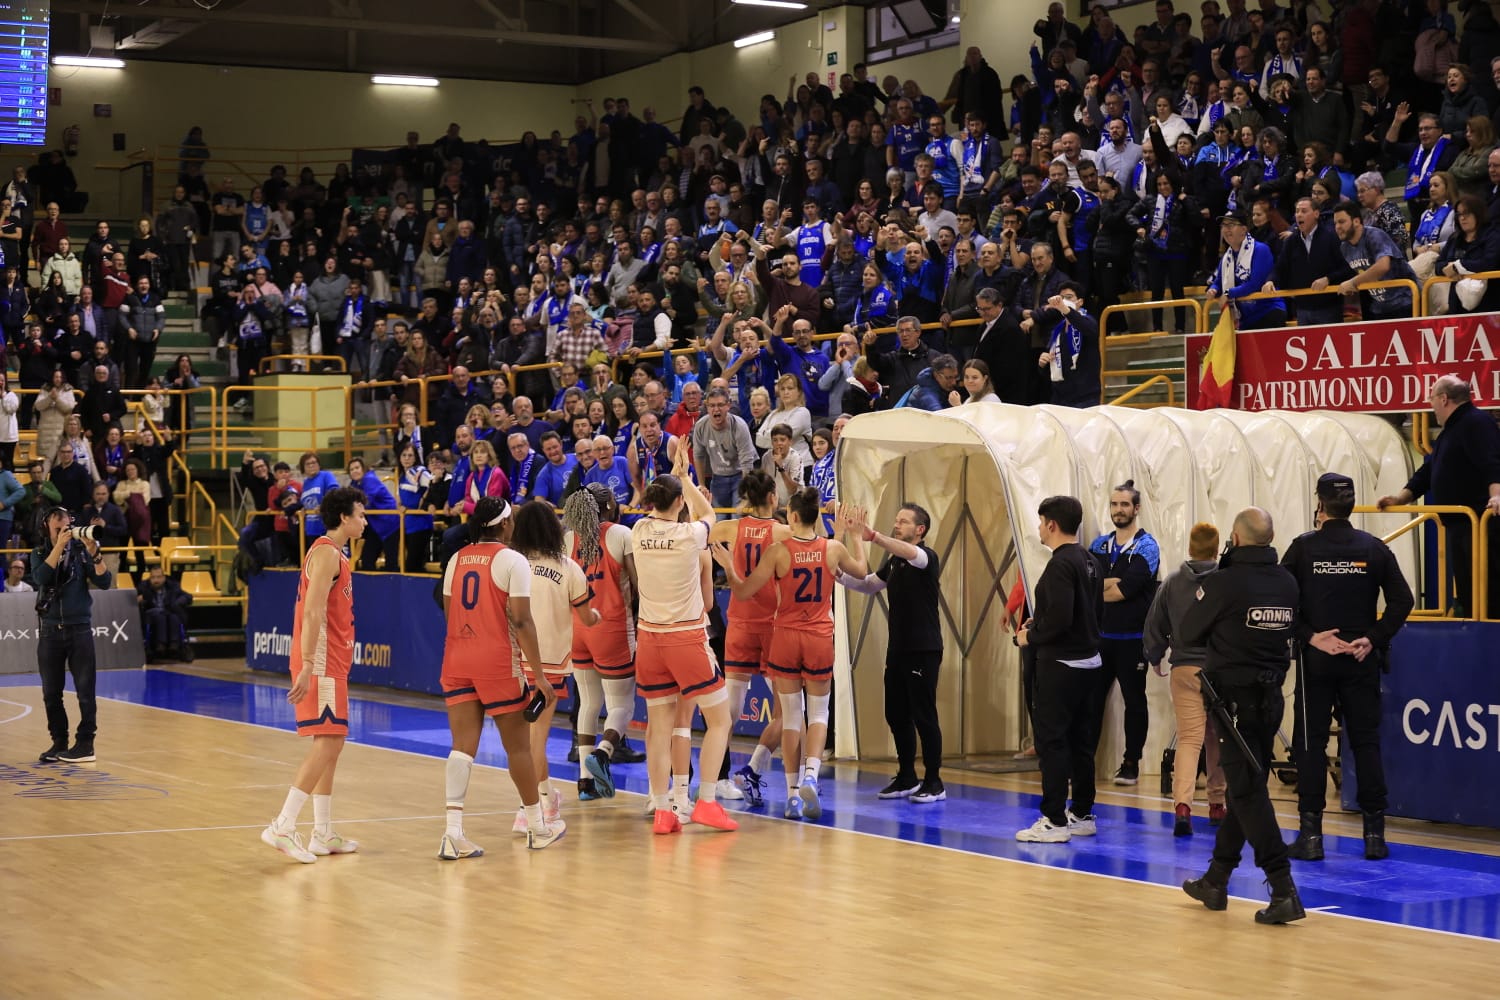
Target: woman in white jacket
[[54, 402], [10, 426]]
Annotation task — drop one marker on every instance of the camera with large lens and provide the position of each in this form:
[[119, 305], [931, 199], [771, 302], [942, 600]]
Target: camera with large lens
[[83, 534]]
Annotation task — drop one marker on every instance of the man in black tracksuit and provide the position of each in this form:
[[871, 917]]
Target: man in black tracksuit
[[914, 651], [1129, 559], [1064, 628], [1245, 615], [1341, 573]]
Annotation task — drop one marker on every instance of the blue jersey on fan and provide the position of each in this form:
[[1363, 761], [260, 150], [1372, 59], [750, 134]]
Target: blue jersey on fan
[[908, 141], [811, 241], [1081, 203], [945, 165]]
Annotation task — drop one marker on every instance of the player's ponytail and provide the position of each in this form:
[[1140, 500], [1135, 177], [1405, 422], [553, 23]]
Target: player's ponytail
[[581, 517], [804, 505], [757, 488], [663, 492]]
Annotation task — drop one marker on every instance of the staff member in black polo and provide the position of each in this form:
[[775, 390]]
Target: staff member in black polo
[[63, 567], [1064, 628], [1244, 615], [1341, 573], [1464, 470], [913, 653]]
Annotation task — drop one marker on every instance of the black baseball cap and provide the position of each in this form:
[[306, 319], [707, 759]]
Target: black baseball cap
[[1333, 484], [1239, 218]]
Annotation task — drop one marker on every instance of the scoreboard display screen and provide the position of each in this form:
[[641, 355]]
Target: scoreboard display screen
[[23, 72]]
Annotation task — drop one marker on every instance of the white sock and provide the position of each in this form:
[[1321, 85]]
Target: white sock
[[680, 790], [286, 822], [707, 790], [760, 759], [791, 781], [606, 746], [534, 821], [811, 768], [544, 788], [323, 815], [457, 782]]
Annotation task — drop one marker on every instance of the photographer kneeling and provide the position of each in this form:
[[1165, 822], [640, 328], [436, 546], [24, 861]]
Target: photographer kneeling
[[63, 566]]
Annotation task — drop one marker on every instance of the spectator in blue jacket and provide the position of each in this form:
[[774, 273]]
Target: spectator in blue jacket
[[1243, 270], [930, 392]]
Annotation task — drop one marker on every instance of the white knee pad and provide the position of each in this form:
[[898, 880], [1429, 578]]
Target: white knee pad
[[817, 709], [718, 697], [791, 711], [738, 686], [590, 700], [619, 703]]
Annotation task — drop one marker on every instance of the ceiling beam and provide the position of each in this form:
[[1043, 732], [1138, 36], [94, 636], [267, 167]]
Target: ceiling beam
[[542, 38], [640, 15], [502, 20]]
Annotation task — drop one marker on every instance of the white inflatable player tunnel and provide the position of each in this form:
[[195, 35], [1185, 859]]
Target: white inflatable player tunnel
[[981, 470]]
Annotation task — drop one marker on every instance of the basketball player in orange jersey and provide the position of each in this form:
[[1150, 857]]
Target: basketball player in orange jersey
[[747, 639], [487, 598], [322, 652], [801, 656], [559, 596], [673, 659], [604, 654]]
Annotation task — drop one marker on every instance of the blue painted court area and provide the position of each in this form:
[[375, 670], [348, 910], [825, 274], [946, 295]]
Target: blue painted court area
[[1422, 887]]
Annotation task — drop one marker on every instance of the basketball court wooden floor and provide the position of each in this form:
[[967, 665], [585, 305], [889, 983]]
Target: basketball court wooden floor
[[143, 876]]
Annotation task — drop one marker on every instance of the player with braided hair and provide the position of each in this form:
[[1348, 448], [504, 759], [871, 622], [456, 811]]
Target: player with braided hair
[[603, 654]]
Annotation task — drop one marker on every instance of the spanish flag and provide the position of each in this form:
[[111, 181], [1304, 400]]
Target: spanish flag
[[1216, 386]]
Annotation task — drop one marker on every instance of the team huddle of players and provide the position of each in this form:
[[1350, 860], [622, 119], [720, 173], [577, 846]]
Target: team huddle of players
[[533, 599]]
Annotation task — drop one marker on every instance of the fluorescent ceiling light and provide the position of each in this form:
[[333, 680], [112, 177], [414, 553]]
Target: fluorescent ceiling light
[[755, 39], [788, 4], [92, 62], [404, 81]]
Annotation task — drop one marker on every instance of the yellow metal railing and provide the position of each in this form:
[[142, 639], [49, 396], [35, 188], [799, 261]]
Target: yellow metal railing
[[1297, 293], [283, 362], [1154, 380], [1154, 376], [1434, 513], [1443, 279]]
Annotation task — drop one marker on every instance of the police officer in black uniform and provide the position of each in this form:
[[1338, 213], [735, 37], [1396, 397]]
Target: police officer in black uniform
[[1244, 615], [1341, 573]]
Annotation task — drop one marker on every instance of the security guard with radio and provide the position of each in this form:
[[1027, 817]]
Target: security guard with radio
[[1342, 644], [1244, 615], [63, 565]]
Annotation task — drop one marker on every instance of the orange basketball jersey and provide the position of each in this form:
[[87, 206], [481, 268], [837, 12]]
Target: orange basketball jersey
[[481, 579], [752, 539], [806, 592], [335, 649], [605, 593]]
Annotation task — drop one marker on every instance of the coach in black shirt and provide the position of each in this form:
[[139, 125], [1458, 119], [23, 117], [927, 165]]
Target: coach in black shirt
[[914, 651], [1064, 628]]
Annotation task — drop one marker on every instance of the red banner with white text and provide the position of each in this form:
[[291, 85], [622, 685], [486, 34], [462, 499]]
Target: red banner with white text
[[1382, 366]]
